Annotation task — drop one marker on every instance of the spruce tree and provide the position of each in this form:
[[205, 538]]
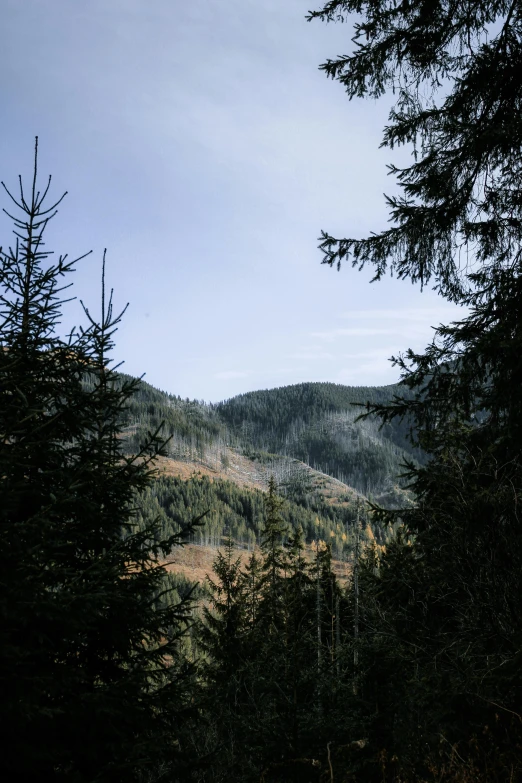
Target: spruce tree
[[223, 628], [449, 593], [252, 582], [442, 618], [222, 631], [93, 686], [455, 71], [274, 560]]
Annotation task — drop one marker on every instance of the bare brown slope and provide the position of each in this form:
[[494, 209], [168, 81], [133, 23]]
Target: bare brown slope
[[195, 561], [253, 475]]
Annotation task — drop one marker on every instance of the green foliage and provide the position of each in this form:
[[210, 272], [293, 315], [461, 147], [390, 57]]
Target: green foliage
[[454, 70], [238, 512], [188, 425], [275, 563], [314, 423]]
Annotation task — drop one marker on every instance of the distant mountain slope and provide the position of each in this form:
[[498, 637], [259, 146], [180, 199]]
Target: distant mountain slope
[[315, 423], [220, 458], [191, 425], [239, 511]]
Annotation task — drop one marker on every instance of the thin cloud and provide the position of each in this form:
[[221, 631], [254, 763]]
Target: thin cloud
[[227, 375], [407, 314], [332, 334]]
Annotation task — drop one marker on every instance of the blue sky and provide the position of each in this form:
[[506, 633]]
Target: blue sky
[[200, 144]]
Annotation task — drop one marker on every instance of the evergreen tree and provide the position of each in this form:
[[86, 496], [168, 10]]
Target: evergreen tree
[[443, 629], [93, 685], [298, 577], [274, 560], [262, 682], [224, 621], [455, 71], [222, 631], [252, 582]]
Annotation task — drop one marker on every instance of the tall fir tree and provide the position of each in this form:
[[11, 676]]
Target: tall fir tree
[[443, 629], [223, 631], [93, 686], [454, 70], [225, 618], [252, 583], [274, 560]]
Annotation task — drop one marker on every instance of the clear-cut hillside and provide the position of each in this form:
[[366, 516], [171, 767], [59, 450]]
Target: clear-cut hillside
[[314, 423]]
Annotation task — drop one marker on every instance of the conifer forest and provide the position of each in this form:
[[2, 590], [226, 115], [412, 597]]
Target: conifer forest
[[361, 616]]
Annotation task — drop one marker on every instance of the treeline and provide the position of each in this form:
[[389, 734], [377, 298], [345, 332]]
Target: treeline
[[190, 426], [275, 670], [401, 675], [273, 408], [314, 423]]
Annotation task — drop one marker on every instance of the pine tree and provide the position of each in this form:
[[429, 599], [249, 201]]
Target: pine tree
[[455, 72], [93, 685], [252, 582], [222, 634], [449, 592]]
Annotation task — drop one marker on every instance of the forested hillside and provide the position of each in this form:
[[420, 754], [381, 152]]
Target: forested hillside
[[238, 512], [190, 425], [314, 423]]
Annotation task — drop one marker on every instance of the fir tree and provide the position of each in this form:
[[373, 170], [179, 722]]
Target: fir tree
[[455, 72], [93, 686], [221, 634], [224, 621], [443, 633], [252, 582], [274, 559]]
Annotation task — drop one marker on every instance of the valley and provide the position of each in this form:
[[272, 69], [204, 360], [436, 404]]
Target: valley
[[219, 459]]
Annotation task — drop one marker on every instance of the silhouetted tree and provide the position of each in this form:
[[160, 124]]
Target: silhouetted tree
[[442, 633], [93, 681]]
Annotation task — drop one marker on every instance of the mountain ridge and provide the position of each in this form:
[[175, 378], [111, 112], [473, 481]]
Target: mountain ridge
[[218, 461], [315, 423]]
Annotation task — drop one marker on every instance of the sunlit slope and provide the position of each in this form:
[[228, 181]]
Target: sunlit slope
[[220, 457]]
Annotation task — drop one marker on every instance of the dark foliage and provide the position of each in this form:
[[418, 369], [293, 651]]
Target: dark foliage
[[93, 684], [273, 692], [442, 633], [456, 72]]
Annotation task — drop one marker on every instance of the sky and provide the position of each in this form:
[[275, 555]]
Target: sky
[[202, 146]]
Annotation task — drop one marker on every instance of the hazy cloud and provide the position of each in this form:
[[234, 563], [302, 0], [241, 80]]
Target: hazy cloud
[[227, 375], [437, 314], [332, 334]]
